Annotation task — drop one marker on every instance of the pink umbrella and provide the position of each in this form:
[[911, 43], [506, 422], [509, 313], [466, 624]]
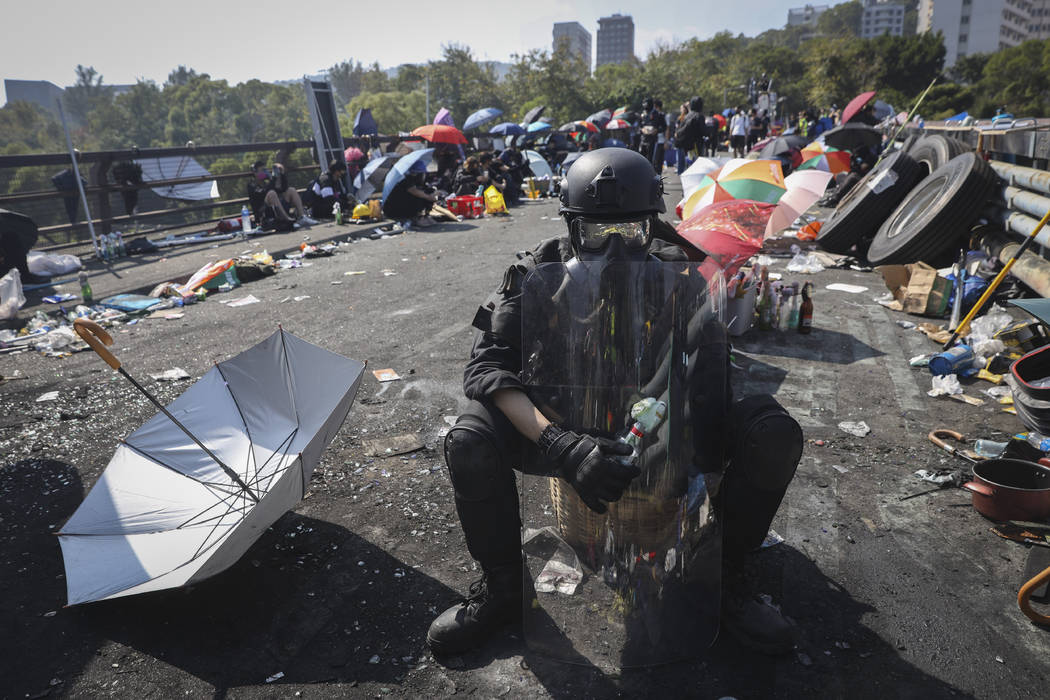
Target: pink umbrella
[[729, 231], [855, 105], [444, 117]]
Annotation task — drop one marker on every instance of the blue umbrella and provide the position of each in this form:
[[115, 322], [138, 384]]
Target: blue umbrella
[[444, 117], [482, 116], [365, 123], [535, 127], [958, 117], [728, 112], [397, 173], [373, 175], [507, 129], [613, 143]]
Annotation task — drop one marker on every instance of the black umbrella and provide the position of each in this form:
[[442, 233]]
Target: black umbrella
[[20, 225], [533, 114], [852, 135], [782, 145], [600, 118]]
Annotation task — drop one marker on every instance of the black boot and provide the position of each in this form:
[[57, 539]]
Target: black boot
[[494, 602], [751, 618]]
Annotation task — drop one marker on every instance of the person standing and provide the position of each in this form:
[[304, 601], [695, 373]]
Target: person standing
[[691, 130], [660, 121], [739, 127]]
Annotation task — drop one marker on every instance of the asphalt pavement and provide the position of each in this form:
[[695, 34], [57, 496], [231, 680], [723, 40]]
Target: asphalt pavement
[[895, 598]]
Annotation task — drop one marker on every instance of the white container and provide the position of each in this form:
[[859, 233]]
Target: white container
[[740, 312]]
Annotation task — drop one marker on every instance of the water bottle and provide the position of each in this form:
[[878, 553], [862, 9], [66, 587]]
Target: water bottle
[[122, 250], [1036, 440], [103, 249], [246, 221], [85, 288], [111, 242], [647, 414], [989, 448], [338, 211]]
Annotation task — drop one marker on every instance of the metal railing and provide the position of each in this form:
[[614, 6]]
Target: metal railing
[[95, 165]]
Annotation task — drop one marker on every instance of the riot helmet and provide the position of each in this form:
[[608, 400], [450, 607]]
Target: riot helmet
[[609, 200]]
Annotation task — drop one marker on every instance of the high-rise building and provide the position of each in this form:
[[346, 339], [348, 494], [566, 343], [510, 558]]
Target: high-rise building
[[976, 26], [807, 15], [1039, 27], [882, 17], [615, 40], [576, 37]]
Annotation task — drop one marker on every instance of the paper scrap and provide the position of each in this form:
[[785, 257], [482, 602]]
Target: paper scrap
[[244, 301], [857, 428], [49, 396], [300, 298], [354, 272], [851, 288], [388, 447], [386, 375], [170, 375]]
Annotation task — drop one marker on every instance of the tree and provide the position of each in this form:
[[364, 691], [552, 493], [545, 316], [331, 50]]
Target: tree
[[841, 20], [393, 111], [85, 94], [181, 76], [346, 78], [460, 83]]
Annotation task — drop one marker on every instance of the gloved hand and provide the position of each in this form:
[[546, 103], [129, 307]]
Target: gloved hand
[[590, 464]]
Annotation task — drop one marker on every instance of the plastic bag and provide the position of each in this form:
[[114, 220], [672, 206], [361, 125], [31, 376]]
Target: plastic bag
[[986, 326], [11, 297], [945, 384], [806, 263], [50, 264], [494, 203]]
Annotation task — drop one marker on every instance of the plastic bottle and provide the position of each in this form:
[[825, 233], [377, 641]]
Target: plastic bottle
[[338, 211], [85, 289], [1036, 440], [111, 246], [103, 247], [122, 250], [764, 306], [805, 312], [648, 414], [989, 448], [246, 221], [793, 313]]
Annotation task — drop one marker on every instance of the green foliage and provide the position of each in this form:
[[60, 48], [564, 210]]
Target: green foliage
[[841, 20], [1018, 79], [393, 111]]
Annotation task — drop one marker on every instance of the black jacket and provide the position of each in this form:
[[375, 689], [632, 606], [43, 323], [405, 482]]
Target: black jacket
[[690, 131]]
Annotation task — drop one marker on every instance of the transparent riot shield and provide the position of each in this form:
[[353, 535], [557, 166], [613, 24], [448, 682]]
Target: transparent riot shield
[[604, 348]]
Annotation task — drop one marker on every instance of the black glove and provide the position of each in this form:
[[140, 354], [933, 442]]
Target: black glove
[[590, 464]]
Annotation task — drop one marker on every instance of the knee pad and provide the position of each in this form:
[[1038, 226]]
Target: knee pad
[[475, 465], [767, 442]]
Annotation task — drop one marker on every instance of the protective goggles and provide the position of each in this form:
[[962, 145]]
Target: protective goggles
[[594, 234]]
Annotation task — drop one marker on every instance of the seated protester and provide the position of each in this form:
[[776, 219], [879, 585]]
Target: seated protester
[[271, 196], [469, 177], [328, 189], [446, 158], [411, 200], [514, 161], [496, 171]]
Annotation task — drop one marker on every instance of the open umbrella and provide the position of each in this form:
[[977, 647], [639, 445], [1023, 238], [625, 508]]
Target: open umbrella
[[365, 123], [536, 127], [739, 178], [400, 168], [569, 160], [373, 175], [852, 136], [186, 494], [482, 116], [729, 232], [804, 188], [855, 105], [508, 129], [781, 145], [694, 174], [600, 117], [538, 165], [579, 125], [533, 114], [440, 133], [444, 117], [616, 124], [827, 158]]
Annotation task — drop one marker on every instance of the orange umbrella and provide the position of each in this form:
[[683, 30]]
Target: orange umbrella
[[440, 133], [827, 158]]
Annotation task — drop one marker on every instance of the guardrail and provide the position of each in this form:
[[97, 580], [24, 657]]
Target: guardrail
[[95, 167]]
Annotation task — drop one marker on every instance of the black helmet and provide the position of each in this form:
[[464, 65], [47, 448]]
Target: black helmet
[[612, 183]]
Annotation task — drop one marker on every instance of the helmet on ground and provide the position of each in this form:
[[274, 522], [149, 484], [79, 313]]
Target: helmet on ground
[[361, 211]]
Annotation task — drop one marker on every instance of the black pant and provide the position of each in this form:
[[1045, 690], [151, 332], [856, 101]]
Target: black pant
[[487, 499]]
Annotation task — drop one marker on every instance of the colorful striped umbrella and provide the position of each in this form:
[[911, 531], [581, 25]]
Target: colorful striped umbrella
[[819, 156], [616, 124], [740, 178]]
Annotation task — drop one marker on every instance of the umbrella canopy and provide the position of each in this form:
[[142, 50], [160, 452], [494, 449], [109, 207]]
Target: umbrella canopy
[[440, 133], [444, 117], [782, 145], [600, 117], [400, 168], [855, 105], [20, 225], [353, 154], [804, 188], [579, 125], [482, 116], [721, 120], [728, 112], [533, 114], [538, 164], [617, 112], [730, 231], [373, 175], [508, 129], [569, 160], [827, 158], [694, 174], [616, 124], [536, 127], [851, 136], [740, 178], [365, 123], [165, 514]]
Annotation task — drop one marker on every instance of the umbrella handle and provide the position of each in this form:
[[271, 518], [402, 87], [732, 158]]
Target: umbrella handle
[[97, 337]]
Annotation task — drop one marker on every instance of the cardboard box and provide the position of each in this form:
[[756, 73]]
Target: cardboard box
[[917, 289]]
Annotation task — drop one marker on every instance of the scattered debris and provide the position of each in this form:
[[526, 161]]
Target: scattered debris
[[849, 288], [389, 447], [275, 677], [170, 375], [244, 301], [856, 428], [386, 375]]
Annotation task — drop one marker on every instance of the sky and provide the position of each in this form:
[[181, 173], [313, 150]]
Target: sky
[[280, 40]]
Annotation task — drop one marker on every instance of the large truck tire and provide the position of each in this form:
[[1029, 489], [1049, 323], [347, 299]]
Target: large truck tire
[[938, 211], [860, 213], [934, 151]]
